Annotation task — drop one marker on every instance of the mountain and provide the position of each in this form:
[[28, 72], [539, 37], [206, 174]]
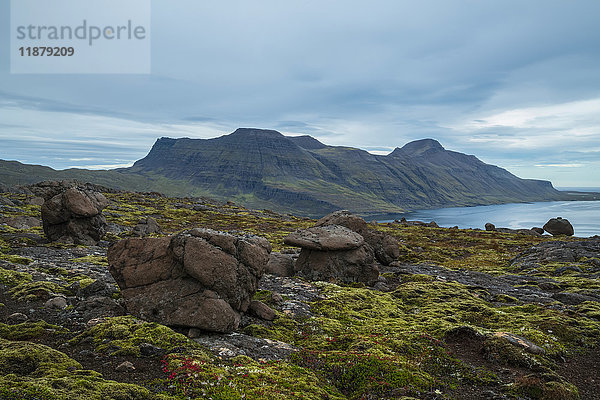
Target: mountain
[[265, 169]]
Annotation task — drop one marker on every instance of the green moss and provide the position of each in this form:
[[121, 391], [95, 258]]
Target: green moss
[[243, 378], [92, 259], [12, 278], [123, 336], [34, 371], [39, 290], [545, 387], [24, 358], [28, 330], [16, 259]]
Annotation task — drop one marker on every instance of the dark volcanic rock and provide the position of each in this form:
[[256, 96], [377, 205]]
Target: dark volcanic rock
[[587, 252], [74, 216], [559, 226], [199, 278], [538, 230], [281, 264], [146, 226], [355, 265], [325, 238], [386, 247], [489, 226]]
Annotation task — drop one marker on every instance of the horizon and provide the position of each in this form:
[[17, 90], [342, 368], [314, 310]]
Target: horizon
[[513, 83], [560, 188]]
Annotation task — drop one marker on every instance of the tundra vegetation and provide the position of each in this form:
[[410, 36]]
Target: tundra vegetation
[[426, 336]]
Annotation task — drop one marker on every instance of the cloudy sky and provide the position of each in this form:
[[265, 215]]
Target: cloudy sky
[[516, 83]]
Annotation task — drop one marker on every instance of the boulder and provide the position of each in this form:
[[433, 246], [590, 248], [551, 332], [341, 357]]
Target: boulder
[[386, 247], [261, 310], [355, 265], [146, 226], [199, 278], [538, 230], [325, 238], [489, 226], [559, 226], [21, 222], [74, 216], [281, 264], [344, 218]]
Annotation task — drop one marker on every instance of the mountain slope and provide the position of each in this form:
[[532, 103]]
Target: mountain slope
[[265, 169]]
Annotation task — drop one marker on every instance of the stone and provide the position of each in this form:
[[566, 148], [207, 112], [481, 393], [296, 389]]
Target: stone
[[96, 307], [149, 350], [56, 303], [573, 298], [520, 342], [97, 288], [489, 226], [356, 265], [563, 269], [21, 222], [146, 226], [16, 318], [325, 238], [74, 215], [261, 310], [538, 230], [35, 201], [582, 252], [281, 264], [559, 226], [336, 253], [125, 366], [200, 278], [385, 247], [344, 218]]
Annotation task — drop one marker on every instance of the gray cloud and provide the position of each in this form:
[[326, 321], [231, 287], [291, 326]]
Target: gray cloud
[[373, 75]]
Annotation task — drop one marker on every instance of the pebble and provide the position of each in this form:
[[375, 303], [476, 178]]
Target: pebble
[[125, 366]]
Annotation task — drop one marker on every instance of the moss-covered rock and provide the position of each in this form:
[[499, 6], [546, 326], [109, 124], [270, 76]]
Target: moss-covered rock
[[38, 290], [123, 336], [28, 330]]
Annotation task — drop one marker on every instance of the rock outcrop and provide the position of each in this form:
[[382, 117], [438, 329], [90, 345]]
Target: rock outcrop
[[73, 214], [385, 247], [531, 232], [281, 264], [341, 247], [199, 278], [146, 226], [559, 226]]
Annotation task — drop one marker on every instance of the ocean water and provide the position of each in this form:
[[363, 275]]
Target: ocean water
[[583, 215]]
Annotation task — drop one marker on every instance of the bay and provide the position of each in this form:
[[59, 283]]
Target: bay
[[583, 215]]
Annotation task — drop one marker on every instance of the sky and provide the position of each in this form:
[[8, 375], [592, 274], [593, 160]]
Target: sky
[[516, 83]]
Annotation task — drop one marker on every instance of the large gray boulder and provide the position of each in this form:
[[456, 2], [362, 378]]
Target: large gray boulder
[[74, 215], [324, 238], [559, 226], [199, 278], [334, 253], [385, 247]]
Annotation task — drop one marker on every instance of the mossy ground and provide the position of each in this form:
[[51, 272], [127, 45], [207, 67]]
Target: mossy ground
[[358, 343]]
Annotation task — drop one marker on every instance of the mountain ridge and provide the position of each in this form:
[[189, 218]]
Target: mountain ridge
[[263, 168]]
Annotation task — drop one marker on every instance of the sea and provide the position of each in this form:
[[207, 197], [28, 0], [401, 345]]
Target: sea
[[583, 215]]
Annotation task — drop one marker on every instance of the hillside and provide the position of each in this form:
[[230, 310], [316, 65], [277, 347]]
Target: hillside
[[265, 169], [260, 167], [461, 314]]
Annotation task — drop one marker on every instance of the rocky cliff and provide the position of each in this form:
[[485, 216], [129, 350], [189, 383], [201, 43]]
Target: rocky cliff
[[263, 168]]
